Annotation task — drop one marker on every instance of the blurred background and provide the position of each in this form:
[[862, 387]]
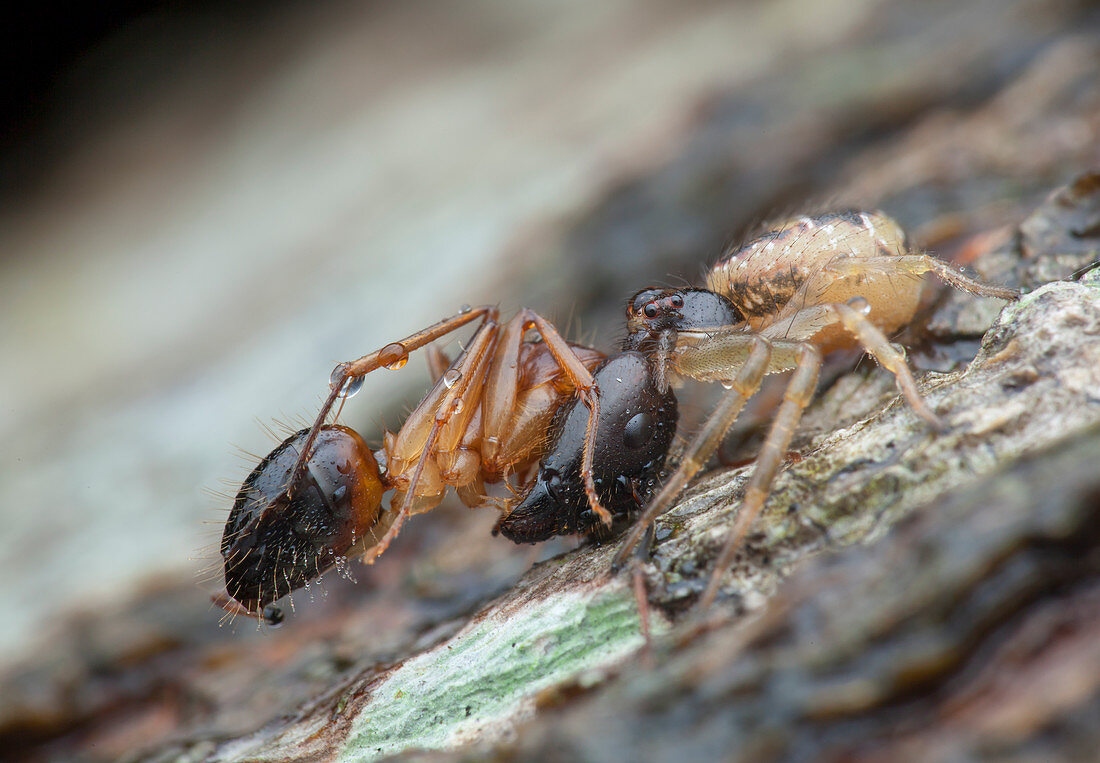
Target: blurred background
[[206, 206]]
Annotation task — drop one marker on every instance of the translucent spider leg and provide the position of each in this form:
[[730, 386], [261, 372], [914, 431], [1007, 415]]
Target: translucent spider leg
[[876, 345], [919, 264], [853, 318], [799, 393], [703, 445]]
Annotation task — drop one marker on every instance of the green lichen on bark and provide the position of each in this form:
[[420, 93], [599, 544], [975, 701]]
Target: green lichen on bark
[[477, 684]]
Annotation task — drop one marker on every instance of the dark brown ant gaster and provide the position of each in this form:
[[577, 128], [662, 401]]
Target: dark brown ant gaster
[[779, 303]]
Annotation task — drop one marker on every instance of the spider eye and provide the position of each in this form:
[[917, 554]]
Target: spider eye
[[677, 301], [650, 310]]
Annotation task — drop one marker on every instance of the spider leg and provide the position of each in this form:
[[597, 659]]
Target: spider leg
[[804, 323], [798, 395], [706, 441], [641, 598], [876, 344], [919, 264]]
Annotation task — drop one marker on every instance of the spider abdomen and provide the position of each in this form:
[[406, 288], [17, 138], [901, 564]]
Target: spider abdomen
[[782, 269]]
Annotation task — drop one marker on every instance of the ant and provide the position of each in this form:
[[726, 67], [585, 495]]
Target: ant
[[782, 301], [316, 499]]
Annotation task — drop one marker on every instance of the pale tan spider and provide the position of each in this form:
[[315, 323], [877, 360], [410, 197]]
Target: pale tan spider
[[782, 301]]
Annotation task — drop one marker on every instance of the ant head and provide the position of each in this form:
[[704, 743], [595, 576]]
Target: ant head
[[653, 311], [275, 540]]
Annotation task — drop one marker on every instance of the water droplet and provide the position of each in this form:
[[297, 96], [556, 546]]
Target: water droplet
[[393, 356], [456, 406], [337, 375], [464, 309], [343, 568], [353, 386], [273, 616], [339, 493], [726, 384], [860, 305], [451, 377]]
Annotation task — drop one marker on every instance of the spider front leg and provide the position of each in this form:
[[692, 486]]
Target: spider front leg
[[744, 384], [799, 393]]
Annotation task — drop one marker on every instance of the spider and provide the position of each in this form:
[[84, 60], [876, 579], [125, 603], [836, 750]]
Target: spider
[[807, 287]]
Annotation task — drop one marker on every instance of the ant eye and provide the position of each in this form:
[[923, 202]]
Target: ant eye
[[677, 301], [650, 310]]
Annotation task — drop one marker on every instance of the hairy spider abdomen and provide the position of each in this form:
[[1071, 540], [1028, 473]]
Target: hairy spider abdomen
[[831, 258]]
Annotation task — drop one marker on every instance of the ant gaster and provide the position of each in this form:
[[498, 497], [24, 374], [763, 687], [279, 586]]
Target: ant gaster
[[779, 303]]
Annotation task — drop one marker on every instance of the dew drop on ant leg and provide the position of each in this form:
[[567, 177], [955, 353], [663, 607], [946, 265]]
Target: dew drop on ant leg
[[352, 387], [464, 309], [451, 377], [860, 305], [338, 377], [393, 356]]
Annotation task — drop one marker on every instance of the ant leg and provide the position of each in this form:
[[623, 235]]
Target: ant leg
[[470, 366], [501, 389], [703, 445], [393, 354], [798, 395], [438, 362], [582, 381]]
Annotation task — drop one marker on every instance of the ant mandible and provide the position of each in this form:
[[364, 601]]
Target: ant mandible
[[803, 289]]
